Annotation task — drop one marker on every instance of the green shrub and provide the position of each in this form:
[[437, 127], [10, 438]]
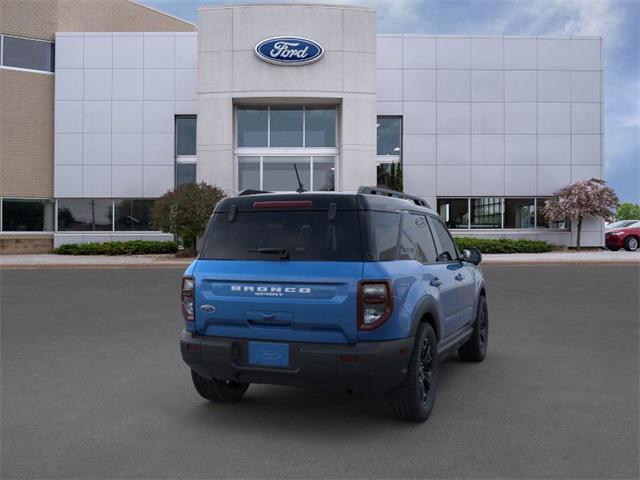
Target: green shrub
[[504, 245], [132, 247]]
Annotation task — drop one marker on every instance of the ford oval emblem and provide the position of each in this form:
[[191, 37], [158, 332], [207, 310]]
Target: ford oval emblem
[[289, 51]]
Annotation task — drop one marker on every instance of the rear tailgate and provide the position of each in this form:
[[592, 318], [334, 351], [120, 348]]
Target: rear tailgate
[[297, 301]]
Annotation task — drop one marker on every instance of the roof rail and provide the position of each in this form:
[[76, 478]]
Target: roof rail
[[252, 192], [392, 193]]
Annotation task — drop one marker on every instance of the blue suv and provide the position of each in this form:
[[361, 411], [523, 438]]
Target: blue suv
[[364, 291]]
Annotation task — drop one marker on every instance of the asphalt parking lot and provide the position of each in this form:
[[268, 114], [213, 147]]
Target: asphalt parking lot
[[93, 387]]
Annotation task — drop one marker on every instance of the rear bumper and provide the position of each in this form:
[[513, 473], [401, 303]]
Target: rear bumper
[[369, 366]]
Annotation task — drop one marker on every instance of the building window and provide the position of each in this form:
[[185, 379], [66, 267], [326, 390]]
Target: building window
[[26, 53], [542, 222], [454, 212], [281, 173], [286, 127], [27, 215], [519, 213], [186, 140], [283, 148], [486, 212], [85, 215], [133, 215], [389, 152]]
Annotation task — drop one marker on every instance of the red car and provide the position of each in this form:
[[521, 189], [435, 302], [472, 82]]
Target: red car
[[627, 237]]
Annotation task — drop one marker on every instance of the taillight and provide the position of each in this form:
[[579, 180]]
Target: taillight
[[375, 303], [186, 298]]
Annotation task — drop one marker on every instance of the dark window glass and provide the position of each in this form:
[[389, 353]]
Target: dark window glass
[[252, 126], [407, 242], [383, 236], [249, 173], [486, 212], [542, 222], [305, 235], [185, 173], [83, 214], [25, 53], [454, 212], [186, 135], [27, 215], [279, 173], [426, 248], [285, 124], [390, 175], [133, 215], [324, 169], [519, 213], [448, 251], [320, 127], [389, 132]]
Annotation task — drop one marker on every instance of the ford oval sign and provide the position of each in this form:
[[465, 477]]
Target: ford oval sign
[[289, 51]]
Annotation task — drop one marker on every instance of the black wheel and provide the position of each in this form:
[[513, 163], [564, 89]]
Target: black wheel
[[475, 349], [218, 390], [631, 244], [413, 400]]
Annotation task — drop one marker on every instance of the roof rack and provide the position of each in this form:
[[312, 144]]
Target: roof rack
[[392, 193], [252, 192]]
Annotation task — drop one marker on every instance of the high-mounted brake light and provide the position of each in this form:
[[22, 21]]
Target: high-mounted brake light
[[284, 204], [186, 298], [375, 303]]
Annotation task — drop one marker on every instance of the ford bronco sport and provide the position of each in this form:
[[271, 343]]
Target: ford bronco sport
[[359, 290]]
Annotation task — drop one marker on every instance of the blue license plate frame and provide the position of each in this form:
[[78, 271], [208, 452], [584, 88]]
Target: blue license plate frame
[[268, 354]]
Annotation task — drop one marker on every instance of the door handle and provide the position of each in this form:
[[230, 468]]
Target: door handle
[[436, 282], [459, 277]]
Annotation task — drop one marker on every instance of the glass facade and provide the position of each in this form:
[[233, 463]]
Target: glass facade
[[495, 212], [27, 215], [320, 127], [18, 52], [389, 153], [133, 215], [85, 215], [286, 127], [278, 173], [185, 144]]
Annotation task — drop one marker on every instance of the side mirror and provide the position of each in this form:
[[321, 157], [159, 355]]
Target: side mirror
[[471, 255]]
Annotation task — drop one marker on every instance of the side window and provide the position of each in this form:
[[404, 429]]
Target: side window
[[407, 242], [424, 240], [385, 227], [448, 251]]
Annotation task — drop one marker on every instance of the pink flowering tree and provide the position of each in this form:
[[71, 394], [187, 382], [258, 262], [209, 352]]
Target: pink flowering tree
[[586, 198]]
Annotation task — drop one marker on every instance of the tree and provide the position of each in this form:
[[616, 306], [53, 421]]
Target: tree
[[586, 198], [185, 211], [628, 211]]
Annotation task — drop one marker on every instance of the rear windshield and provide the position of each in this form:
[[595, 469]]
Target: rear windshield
[[286, 235]]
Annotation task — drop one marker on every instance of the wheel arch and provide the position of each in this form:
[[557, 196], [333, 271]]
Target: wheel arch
[[428, 313]]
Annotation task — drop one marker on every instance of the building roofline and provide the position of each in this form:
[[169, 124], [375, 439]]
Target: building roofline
[[286, 4], [137, 2]]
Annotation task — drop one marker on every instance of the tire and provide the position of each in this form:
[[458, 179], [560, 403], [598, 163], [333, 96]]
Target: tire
[[413, 400], [631, 243], [218, 390], [475, 349]]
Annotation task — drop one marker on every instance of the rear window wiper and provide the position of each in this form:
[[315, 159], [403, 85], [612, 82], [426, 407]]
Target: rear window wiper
[[283, 252]]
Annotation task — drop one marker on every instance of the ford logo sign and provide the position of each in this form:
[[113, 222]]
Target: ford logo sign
[[289, 51]]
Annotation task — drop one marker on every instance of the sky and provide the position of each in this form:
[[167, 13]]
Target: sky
[[617, 21]]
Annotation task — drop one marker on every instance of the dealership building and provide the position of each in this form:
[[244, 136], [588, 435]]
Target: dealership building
[[107, 105]]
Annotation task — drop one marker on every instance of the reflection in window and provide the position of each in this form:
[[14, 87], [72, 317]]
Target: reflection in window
[[519, 213], [324, 174], [186, 135], [286, 125], [389, 133], [26, 215], [133, 215], [26, 53], [84, 214], [185, 173], [486, 212], [249, 173], [454, 212], [320, 127], [389, 175], [279, 173], [542, 222], [253, 124]]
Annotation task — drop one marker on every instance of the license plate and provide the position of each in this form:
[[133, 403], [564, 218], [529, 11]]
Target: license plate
[[269, 354]]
